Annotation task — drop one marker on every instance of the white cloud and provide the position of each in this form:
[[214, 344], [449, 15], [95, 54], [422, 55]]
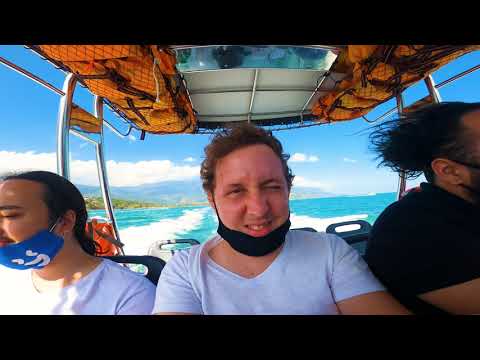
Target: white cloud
[[148, 172], [85, 172], [12, 161], [300, 181], [189, 159], [299, 157], [349, 160], [131, 138]]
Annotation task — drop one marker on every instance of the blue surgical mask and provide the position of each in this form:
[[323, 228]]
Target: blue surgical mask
[[33, 253]]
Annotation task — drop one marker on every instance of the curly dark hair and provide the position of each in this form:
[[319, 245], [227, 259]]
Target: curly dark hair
[[61, 195], [411, 142], [235, 137]]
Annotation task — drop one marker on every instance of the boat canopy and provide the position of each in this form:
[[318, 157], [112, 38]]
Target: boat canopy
[[194, 89]]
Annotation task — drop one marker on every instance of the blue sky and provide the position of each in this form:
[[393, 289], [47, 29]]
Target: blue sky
[[333, 157]]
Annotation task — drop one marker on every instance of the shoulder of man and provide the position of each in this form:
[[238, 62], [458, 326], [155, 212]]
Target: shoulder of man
[[406, 230], [415, 208]]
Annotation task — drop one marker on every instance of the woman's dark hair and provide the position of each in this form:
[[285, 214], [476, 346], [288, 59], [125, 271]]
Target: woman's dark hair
[[61, 195], [413, 141]]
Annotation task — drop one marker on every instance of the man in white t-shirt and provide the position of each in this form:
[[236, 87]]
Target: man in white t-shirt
[[256, 265]]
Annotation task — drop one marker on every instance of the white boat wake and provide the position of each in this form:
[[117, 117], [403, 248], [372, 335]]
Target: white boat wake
[[137, 239]]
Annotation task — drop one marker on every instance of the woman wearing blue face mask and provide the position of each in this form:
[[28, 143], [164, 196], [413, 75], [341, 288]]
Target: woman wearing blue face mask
[[47, 262]]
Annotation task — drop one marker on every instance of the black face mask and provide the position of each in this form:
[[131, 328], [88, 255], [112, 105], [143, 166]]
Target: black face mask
[[254, 246], [250, 245]]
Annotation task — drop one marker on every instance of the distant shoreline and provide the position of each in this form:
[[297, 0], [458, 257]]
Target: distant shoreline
[[96, 203], [121, 204], [158, 206]]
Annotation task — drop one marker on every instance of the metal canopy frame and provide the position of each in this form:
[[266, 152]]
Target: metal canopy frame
[[277, 124], [209, 121], [63, 126], [202, 126], [437, 87], [289, 123], [294, 118], [205, 126], [319, 83], [297, 112], [223, 91], [402, 182], [254, 88], [102, 170], [334, 48], [63, 129], [54, 89], [36, 50]]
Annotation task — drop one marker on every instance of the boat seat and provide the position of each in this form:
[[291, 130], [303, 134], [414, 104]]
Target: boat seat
[[153, 264], [165, 249], [357, 238]]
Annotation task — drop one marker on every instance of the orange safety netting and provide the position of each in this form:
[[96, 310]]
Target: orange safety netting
[[376, 73], [84, 121], [140, 80]]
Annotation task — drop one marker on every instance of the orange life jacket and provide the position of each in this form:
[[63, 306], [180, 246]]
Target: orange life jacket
[[103, 234]]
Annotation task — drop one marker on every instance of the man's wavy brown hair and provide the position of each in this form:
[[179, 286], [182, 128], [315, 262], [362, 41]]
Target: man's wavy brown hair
[[234, 138]]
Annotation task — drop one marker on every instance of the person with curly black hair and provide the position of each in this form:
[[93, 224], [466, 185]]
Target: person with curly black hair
[[425, 248]]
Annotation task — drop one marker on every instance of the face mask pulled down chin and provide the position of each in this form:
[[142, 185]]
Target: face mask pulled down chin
[[35, 252], [254, 246]]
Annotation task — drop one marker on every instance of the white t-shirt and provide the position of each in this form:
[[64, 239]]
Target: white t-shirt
[[110, 289], [312, 272]]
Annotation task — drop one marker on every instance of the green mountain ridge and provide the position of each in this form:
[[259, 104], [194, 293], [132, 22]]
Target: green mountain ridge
[[171, 193], [96, 203]]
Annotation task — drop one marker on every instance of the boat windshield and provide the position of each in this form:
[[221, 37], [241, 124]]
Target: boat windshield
[[234, 56]]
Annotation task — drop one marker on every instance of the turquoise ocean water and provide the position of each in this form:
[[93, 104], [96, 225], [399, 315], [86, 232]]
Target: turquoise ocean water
[[139, 228]]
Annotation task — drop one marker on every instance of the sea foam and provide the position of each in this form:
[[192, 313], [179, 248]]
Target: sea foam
[[137, 239]]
